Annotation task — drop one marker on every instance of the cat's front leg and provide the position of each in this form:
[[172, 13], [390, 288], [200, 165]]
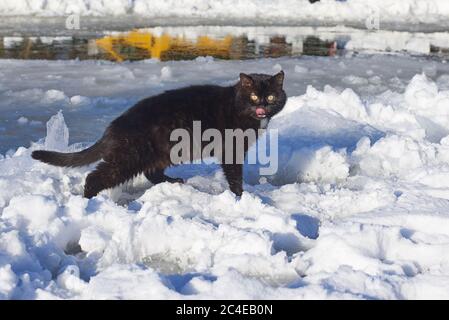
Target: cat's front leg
[[234, 176], [158, 176]]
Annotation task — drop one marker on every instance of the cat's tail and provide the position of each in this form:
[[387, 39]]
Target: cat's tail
[[75, 159]]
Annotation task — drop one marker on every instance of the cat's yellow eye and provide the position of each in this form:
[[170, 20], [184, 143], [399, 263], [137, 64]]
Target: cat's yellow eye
[[270, 98], [254, 97]]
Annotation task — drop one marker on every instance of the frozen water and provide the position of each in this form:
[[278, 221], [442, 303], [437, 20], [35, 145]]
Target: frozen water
[[57, 133]]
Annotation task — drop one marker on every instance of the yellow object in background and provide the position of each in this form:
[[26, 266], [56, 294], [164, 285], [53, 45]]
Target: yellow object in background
[[143, 44]]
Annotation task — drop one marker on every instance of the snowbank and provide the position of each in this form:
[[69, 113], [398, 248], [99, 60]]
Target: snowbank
[[358, 209], [326, 11]]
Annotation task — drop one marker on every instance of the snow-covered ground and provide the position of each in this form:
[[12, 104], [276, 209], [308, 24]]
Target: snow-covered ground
[[355, 12], [358, 209]]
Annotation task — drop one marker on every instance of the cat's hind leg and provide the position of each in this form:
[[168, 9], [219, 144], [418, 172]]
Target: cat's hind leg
[[106, 175], [158, 176], [234, 176]]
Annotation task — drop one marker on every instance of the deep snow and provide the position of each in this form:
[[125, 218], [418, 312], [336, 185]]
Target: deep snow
[[359, 208]]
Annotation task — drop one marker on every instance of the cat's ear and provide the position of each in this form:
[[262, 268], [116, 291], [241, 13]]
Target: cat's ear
[[246, 80], [278, 78]]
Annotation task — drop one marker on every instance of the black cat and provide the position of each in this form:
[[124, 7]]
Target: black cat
[[139, 140]]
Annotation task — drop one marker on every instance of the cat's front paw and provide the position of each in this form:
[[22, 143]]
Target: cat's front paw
[[174, 180], [237, 190]]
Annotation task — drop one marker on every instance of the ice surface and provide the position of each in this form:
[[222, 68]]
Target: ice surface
[[358, 209]]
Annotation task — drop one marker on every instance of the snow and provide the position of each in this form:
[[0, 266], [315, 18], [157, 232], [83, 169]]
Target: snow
[[361, 12], [357, 210], [166, 73], [22, 120]]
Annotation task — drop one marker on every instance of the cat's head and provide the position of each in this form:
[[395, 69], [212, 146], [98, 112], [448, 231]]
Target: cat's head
[[260, 96]]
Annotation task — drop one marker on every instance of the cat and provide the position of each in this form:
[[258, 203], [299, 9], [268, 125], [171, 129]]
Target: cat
[[138, 141]]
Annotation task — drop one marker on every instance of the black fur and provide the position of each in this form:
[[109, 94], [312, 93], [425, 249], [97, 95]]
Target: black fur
[[75, 159], [138, 141]]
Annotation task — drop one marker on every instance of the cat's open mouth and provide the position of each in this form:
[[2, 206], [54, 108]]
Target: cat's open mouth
[[261, 113]]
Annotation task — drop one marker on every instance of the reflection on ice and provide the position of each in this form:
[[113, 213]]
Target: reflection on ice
[[224, 42]]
